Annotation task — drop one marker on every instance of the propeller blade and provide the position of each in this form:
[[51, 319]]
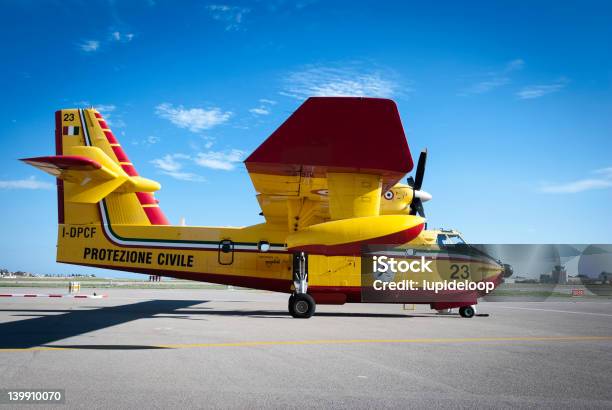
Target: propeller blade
[[420, 209], [415, 206], [420, 171]]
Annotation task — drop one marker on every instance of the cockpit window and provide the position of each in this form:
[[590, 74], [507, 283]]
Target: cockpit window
[[450, 240]]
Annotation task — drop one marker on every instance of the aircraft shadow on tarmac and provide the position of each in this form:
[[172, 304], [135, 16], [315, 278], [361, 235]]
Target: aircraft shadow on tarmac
[[40, 331], [44, 330]]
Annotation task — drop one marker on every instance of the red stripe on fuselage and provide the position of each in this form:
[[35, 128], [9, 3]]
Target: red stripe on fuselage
[[120, 154], [146, 198], [275, 285], [156, 216], [111, 137], [130, 170], [59, 151], [354, 248]]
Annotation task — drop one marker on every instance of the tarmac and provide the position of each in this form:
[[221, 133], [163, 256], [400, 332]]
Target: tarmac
[[241, 349]]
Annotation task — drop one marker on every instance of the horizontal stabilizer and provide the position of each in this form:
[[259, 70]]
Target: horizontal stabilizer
[[71, 168], [94, 174]]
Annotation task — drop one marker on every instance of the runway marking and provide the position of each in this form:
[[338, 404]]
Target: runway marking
[[558, 311], [346, 341]]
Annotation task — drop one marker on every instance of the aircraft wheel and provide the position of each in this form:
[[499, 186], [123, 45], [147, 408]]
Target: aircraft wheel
[[467, 311], [291, 311], [301, 305]]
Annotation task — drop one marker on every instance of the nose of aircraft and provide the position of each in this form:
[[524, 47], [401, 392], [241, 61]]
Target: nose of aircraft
[[422, 195]]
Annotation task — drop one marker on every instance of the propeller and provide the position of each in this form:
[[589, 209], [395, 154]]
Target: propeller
[[418, 197]]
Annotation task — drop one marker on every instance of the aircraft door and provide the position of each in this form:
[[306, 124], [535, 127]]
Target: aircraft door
[[225, 256]]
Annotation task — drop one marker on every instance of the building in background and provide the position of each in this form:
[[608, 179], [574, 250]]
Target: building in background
[[559, 275]]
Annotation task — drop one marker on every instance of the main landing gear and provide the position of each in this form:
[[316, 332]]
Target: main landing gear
[[467, 311], [301, 304], [464, 311]]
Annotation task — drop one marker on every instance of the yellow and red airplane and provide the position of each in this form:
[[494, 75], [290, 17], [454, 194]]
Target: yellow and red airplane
[[327, 184]]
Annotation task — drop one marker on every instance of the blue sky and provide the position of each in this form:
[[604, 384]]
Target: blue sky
[[512, 99]]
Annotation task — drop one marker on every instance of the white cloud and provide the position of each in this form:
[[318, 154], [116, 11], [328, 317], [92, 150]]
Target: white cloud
[[486, 85], [537, 91], [148, 141], [152, 139], [106, 109], [350, 80], [184, 176], [602, 182], [578, 186], [219, 160], [494, 79], [283, 6], [194, 119], [264, 107], [107, 112], [89, 46], [30, 183], [117, 123], [259, 111], [231, 16], [607, 172], [514, 65], [123, 37], [168, 165], [172, 165]]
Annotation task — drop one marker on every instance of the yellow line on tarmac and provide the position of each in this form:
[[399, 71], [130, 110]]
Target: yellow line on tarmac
[[345, 341], [33, 349], [388, 341]]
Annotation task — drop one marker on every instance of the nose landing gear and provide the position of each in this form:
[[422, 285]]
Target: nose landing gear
[[467, 311], [301, 304]]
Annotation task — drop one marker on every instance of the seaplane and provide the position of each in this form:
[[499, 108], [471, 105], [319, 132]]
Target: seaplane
[[328, 185]]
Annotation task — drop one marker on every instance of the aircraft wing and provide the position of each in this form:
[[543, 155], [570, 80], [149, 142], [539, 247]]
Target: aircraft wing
[[330, 160]]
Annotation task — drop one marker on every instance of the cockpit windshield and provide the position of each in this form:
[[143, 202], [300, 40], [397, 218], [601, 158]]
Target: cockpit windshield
[[450, 240]]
